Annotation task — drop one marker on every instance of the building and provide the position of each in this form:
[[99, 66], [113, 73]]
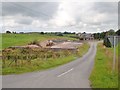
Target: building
[[85, 36]]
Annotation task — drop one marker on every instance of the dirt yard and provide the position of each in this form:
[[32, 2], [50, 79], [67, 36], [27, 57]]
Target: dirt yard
[[67, 45]]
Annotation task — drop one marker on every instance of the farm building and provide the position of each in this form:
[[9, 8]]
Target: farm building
[[85, 36]]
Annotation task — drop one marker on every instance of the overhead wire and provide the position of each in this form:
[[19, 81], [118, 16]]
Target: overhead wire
[[34, 12]]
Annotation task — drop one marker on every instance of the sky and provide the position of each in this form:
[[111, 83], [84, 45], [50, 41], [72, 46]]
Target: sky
[[63, 16]]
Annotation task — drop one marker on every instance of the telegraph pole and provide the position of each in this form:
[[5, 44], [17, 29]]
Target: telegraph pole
[[114, 57], [114, 41]]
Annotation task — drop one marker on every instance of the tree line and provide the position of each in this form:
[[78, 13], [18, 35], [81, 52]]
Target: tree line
[[102, 35]]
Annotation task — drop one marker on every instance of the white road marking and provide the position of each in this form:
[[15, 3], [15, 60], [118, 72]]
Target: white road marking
[[65, 73]]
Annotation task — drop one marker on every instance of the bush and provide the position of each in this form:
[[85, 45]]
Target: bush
[[35, 42], [107, 42], [8, 32]]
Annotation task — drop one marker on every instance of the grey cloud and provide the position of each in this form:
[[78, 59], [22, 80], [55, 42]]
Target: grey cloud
[[106, 7], [42, 10], [94, 23], [109, 9], [46, 10], [24, 21]]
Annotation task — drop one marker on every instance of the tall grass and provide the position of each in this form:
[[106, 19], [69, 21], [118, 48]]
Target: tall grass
[[37, 64], [32, 60]]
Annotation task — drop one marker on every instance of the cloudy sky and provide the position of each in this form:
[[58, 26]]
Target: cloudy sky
[[59, 16]]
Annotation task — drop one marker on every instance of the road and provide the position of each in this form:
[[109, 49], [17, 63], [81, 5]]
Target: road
[[71, 75]]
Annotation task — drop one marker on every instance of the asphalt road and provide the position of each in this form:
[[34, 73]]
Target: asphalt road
[[72, 75]]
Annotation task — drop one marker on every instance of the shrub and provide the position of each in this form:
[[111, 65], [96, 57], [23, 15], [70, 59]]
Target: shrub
[[107, 42], [35, 42]]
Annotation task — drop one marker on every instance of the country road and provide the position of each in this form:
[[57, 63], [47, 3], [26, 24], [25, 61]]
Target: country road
[[71, 75]]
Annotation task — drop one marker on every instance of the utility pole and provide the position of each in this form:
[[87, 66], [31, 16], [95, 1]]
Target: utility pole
[[114, 57], [114, 41]]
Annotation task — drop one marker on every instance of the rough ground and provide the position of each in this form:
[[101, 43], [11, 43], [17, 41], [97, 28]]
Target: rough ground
[[69, 45]]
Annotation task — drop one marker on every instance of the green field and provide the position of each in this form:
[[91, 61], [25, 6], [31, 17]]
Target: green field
[[23, 39], [102, 75]]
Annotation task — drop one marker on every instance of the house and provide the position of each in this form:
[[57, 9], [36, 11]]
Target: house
[[85, 36]]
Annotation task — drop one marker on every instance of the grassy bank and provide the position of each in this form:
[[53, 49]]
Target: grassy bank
[[23, 39], [36, 65], [102, 75], [41, 62]]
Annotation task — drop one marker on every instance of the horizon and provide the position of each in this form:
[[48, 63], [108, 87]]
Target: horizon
[[14, 32]]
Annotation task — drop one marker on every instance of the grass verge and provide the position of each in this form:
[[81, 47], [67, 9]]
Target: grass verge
[[37, 65], [102, 75]]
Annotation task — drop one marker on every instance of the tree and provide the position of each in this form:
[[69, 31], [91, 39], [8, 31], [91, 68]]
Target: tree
[[102, 35], [84, 32], [41, 32], [106, 42], [111, 32], [67, 32], [8, 32], [73, 33], [118, 32], [14, 32], [96, 35], [59, 34]]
